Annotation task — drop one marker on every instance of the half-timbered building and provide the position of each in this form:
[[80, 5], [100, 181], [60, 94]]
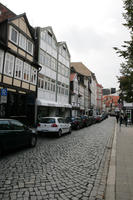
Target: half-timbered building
[[18, 71]]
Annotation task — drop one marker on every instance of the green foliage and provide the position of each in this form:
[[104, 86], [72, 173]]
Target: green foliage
[[126, 78]]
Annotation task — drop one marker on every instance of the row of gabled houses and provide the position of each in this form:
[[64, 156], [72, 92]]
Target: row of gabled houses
[[37, 77]]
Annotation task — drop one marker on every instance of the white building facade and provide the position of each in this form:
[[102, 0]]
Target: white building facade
[[53, 79]]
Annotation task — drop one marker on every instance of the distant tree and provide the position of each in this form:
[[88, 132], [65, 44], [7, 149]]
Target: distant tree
[[126, 78]]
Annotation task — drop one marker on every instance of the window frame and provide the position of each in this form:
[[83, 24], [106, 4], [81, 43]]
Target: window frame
[[27, 47], [21, 37], [11, 30], [33, 73], [25, 70], [19, 67], [9, 65]]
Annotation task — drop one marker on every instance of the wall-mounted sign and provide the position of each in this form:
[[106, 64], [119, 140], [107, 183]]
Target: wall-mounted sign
[[3, 93]]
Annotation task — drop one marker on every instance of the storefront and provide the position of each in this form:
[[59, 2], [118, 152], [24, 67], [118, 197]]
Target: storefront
[[128, 108], [18, 105], [47, 109]]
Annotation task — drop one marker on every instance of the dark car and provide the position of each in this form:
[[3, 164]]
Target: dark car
[[86, 121], [15, 134], [76, 122], [91, 120]]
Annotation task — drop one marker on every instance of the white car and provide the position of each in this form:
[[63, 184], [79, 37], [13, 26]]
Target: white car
[[56, 125]]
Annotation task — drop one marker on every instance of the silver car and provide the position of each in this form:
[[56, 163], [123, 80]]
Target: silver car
[[56, 125]]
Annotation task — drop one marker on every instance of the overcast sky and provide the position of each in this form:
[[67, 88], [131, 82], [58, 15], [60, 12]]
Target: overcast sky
[[91, 28]]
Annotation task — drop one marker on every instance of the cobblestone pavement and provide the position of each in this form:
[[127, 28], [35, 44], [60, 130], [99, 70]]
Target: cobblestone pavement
[[69, 167]]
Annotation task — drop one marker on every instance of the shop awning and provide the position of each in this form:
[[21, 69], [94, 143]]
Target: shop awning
[[41, 102]]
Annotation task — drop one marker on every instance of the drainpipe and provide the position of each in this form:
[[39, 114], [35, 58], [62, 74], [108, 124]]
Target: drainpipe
[[57, 72], [38, 50]]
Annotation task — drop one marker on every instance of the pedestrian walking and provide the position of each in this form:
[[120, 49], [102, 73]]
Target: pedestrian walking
[[121, 119], [125, 119], [117, 117]]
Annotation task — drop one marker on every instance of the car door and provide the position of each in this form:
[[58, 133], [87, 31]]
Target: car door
[[61, 124], [7, 139], [20, 133], [67, 126]]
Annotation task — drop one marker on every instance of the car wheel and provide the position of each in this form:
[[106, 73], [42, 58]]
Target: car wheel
[[59, 133], [33, 141]]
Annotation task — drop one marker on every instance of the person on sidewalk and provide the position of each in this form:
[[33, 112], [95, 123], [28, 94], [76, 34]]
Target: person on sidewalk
[[117, 117], [121, 119], [125, 119]]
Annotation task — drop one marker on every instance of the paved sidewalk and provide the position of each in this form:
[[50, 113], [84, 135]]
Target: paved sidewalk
[[120, 178]]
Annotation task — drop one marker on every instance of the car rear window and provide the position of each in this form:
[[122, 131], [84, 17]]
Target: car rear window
[[47, 120], [4, 125]]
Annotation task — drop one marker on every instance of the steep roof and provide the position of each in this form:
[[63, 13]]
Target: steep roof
[[5, 13], [81, 68], [63, 43], [49, 29], [26, 20]]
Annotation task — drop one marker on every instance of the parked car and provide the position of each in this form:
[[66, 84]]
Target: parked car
[[76, 122], [56, 125], [15, 134], [98, 118], [104, 115], [85, 120], [91, 120]]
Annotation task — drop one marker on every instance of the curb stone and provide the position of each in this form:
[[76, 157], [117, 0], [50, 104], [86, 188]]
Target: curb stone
[[103, 171]]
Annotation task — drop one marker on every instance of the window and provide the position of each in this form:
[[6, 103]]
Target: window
[[53, 64], [16, 125], [9, 64], [61, 120], [29, 47], [49, 38], [26, 72], [18, 68], [47, 120], [40, 83], [46, 85], [1, 60], [13, 35], [22, 41], [33, 75], [4, 125]]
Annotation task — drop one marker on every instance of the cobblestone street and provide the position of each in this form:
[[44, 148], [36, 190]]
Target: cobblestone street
[[69, 167]]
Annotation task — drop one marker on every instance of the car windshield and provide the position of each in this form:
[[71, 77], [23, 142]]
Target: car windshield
[[73, 119], [47, 120]]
